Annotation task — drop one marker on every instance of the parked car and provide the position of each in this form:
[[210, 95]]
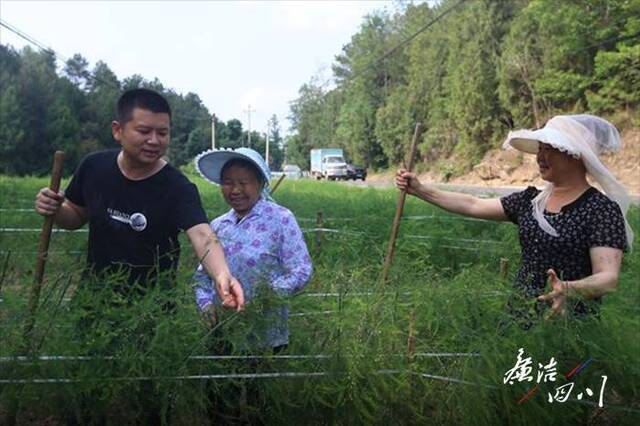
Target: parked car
[[292, 171], [356, 172]]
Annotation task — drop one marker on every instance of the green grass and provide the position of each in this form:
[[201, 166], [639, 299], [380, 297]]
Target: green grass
[[449, 282]]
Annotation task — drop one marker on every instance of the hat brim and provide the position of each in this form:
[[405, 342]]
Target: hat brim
[[529, 140], [210, 163]]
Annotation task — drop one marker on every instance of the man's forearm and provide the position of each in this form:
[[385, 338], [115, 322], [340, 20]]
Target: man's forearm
[[214, 261], [68, 218], [211, 256]]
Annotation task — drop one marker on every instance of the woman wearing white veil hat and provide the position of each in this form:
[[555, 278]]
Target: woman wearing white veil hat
[[570, 232]]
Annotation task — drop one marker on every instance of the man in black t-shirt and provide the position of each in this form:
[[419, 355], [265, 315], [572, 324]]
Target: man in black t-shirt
[[136, 203]]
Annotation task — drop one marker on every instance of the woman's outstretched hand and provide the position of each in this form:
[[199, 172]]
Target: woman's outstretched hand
[[407, 181], [557, 297]]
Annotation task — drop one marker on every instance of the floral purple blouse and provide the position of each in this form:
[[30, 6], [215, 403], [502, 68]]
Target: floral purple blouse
[[265, 246]]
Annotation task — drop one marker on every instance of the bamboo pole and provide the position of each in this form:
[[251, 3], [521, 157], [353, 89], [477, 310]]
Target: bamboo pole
[[411, 339], [5, 266], [277, 183], [504, 267], [43, 248], [319, 223], [400, 206]]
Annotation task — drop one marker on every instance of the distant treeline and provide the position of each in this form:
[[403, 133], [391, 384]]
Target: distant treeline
[[43, 109], [485, 67]]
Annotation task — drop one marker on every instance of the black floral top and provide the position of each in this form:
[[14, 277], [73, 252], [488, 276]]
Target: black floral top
[[593, 220]]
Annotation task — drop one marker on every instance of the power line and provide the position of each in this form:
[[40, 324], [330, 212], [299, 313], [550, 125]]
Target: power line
[[414, 35], [609, 40], [27, 37], [395, 48], [407, 40], [446, 12], [88, 75]]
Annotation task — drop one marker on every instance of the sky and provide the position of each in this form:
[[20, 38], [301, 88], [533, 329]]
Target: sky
[[231, 53]]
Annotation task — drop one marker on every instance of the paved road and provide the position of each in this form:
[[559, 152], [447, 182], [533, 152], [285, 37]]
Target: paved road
[[479, 190]]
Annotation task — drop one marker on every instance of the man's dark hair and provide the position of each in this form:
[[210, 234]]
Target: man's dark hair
[[143, 99]]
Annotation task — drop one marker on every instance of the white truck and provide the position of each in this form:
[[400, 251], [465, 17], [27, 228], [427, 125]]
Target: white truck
[[328, 163]]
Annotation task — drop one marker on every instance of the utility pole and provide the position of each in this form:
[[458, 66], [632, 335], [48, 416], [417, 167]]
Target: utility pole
[[267, 149], [249, 111], [213, 131]]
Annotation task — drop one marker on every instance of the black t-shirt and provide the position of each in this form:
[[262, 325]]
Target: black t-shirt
[[134, 225], [592, 220]]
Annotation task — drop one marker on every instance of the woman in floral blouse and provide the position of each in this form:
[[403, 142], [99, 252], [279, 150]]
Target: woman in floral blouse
[[262, 241], [571, 234]]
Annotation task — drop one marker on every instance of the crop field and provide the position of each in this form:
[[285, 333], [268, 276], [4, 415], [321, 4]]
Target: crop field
[[433, 345]]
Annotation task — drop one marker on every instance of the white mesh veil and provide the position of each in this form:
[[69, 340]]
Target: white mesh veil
[[586, 137]]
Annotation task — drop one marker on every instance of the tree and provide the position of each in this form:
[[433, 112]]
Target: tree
[[276, 154], [617, 80], [235, 134], [77, 71]]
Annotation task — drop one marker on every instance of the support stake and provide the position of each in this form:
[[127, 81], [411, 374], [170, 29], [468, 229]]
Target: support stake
[[43, 248], [277, 183], [504, 267], [400, 206], [319, 224]]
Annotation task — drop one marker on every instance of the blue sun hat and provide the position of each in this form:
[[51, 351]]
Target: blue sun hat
[[210, 163]]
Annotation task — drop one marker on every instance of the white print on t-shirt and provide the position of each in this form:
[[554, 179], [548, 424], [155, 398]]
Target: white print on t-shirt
[[137, 221]]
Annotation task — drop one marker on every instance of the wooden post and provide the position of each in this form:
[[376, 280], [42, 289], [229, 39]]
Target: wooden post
[[504, 267], [43, 248], [411, 350], [400, 206], [319, 224], [5, 266], [277, 183], [411, 340]]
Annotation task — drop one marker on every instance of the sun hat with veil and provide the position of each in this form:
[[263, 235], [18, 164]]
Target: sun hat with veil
[[211, 162], [583, 137]]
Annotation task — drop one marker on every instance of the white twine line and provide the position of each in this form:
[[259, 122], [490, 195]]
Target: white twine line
[[454, 218], [318, 295], [334, 231], [328, 219], [459, 248], [421, 237], [286, 374], [64, 299], [39, 230], [307, 230], [35, 252], [418, 217], [308, 314], [355, 294], [192, 377], [454, 380], [464, 240], [18, 210], [22, 359], [364, 294]]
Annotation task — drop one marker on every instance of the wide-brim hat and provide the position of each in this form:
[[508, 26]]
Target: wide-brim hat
[[210, 163], [529, 140]]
